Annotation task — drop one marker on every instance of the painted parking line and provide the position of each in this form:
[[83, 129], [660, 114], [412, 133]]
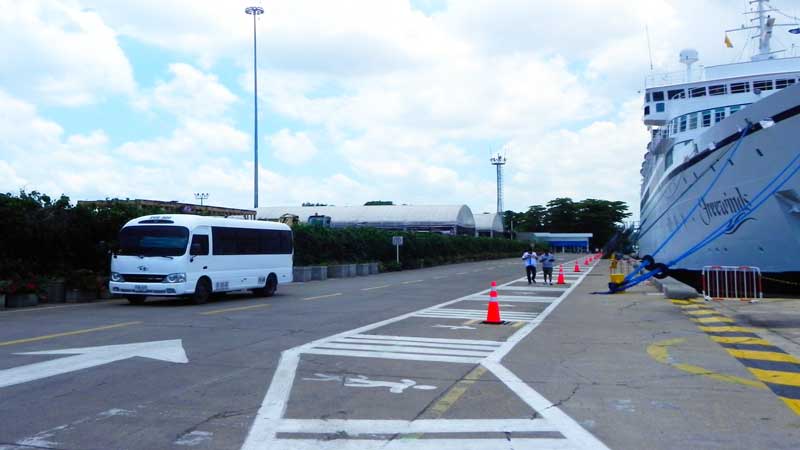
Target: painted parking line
[[461, 273], [555, 429], [46, 308], [68, 333], [777, 369], [376, 287], [317, 297], [240, 308], [412, 282]]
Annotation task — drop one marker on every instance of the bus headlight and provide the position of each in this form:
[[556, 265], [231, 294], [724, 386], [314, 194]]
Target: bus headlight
[[115, 276], [176, 278]]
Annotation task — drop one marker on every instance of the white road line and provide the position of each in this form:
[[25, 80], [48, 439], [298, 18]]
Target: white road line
[[425, 444], [532, 288], [390, 344], [461, 273], [376, 287], [412, 281], [405, 349], [361, 427], [323, 296], [426, 339], [382, 355], [516, 298], [439, 278]]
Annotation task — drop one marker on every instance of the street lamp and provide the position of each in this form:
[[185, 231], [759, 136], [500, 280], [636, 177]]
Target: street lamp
[[201, 196], [255, 11]]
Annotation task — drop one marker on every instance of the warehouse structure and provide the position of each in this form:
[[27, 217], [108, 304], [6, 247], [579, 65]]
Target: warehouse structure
[[559, 242], [445, 219], [489, 225]]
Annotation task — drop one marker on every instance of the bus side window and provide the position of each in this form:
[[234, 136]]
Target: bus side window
[[199, 244]]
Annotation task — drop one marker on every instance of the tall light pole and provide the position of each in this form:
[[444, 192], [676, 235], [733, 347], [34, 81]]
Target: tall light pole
[[499, 161], [201, 196], [255, 11]]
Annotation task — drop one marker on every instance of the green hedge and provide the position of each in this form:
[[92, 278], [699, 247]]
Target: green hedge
[[43, 236], [316, 245]]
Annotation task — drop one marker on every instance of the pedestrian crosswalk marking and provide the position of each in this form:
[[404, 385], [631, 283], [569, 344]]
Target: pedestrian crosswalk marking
[[556, 430]]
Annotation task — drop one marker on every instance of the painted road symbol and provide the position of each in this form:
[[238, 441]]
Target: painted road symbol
[[84, 358], [361, 381], [454, 327]]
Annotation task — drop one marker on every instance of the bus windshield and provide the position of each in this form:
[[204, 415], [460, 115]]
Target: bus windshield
[[153, 240]]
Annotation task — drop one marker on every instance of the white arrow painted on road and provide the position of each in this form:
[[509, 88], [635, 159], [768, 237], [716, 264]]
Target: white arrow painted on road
[[170, 351]]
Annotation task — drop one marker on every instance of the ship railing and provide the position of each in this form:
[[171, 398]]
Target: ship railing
[[732, 282], [669, 78]]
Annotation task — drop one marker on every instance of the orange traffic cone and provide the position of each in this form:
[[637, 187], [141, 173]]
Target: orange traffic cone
[[493, 314], [561, 279], [493, 311], [577, 267]]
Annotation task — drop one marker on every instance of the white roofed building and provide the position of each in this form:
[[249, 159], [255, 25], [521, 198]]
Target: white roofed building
[[445, 219], [489, 224]]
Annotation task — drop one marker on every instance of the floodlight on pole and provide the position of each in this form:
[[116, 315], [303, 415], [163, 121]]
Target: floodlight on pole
[[499, 161], [255, 11], [201, 196]]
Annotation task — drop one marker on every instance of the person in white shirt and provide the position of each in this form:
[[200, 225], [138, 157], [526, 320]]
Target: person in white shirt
[[529, 258]]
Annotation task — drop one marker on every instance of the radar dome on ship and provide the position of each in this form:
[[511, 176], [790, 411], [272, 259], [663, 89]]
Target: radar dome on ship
[[689, 56]]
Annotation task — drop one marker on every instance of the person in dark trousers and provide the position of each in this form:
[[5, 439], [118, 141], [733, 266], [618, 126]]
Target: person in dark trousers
[[529, 258], [547, 260]]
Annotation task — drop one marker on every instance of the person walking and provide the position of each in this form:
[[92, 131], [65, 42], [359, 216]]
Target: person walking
[[529, 258], [547, 260]]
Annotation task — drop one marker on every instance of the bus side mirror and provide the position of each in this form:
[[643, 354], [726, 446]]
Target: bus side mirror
[[196, 249]]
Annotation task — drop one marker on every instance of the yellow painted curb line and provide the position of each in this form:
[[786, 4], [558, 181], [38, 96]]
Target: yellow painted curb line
[[660, 352]]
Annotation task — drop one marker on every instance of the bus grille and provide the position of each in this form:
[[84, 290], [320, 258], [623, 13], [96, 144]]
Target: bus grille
[[139, 278]]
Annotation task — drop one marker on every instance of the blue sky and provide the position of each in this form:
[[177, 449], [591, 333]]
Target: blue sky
[[359, 100]]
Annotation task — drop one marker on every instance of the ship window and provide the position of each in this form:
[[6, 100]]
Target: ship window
[[658, 96], [707, 118], [719, 114], [668, 159], [683, 124], [719, 89], [647, 97], [738, 88], [676, 93], [692, 121], [659, 107], [763, 85], [735, 108], [647, 110], [697, 92], [780, 84]]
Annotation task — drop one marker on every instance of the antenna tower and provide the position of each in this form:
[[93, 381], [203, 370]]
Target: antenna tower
[[499, 161]]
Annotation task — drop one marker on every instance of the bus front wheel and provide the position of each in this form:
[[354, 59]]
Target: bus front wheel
[[202, 292]]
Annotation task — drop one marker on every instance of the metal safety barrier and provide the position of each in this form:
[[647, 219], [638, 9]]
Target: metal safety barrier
[[732, 282]]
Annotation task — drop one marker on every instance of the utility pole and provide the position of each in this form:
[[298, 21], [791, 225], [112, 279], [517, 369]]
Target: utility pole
[[255, 11], [499, 161]]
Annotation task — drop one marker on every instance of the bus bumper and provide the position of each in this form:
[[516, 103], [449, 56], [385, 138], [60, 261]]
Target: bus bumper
[[159, 289]]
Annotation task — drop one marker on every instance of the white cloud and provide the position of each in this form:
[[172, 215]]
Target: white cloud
[[292, 148], [191, 94], [56, 52]]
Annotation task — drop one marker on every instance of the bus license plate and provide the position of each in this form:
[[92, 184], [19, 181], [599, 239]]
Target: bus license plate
[[140, 287]]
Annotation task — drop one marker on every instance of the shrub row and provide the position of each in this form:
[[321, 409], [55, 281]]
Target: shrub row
[[43, 236]]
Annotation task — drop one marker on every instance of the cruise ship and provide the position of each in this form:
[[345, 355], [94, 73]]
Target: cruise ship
[[724, 154]]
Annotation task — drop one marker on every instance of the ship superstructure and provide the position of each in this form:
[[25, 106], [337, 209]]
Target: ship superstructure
[[696, 118]]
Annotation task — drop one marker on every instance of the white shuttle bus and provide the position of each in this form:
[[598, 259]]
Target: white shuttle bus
[[195, 256]]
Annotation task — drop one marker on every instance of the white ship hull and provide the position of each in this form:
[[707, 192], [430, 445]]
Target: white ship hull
[[770, 237]]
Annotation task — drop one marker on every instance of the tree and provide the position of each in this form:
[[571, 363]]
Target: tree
[[379, 203]]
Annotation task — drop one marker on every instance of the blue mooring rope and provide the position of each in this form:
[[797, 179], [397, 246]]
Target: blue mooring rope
[[741, 214]]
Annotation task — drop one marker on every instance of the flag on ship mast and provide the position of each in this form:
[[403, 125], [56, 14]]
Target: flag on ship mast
[[728, 42]]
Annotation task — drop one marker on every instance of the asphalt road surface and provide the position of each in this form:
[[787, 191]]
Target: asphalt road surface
[[398, 360]]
